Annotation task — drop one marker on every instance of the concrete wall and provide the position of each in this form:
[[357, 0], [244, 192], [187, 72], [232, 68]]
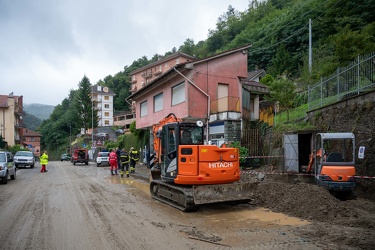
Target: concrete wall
[[357, 115]]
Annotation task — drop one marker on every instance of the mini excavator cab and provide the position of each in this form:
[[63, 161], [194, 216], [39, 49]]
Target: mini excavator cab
[[172, 136], [334, 166]]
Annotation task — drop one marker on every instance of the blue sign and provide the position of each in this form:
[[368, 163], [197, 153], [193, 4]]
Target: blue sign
[[83, 145]]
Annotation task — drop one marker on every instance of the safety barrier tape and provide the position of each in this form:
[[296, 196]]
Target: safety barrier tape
[[260, 156], [279, 173], [364, 177]]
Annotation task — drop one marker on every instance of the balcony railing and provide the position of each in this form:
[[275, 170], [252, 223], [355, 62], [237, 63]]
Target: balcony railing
[[225, 104], [147, 74]]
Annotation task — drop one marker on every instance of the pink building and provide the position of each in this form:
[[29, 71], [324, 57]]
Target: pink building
[[207, 89]]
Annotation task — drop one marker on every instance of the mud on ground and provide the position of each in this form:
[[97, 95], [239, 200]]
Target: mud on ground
[[348, 222]]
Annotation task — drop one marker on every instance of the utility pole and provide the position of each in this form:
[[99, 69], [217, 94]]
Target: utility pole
[[310, 48]]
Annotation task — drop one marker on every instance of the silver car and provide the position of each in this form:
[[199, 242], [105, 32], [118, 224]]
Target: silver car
[[24, 158], [7, 167]]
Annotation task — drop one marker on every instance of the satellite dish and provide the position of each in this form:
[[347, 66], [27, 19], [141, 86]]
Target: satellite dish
[[105, 89], [199, 123]]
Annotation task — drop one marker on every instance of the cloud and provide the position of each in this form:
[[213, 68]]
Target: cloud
[[48, 46]]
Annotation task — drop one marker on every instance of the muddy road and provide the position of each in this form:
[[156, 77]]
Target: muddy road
[[83, 207]]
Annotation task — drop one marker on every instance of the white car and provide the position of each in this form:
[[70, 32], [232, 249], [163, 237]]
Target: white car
[[102, 159], [24, 158], [7, 167]]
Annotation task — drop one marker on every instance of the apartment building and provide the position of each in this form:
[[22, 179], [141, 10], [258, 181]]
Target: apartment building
[[102, 98], [11, 112]]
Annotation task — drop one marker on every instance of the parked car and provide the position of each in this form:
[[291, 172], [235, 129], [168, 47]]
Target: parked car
[[80, 155], [7, 167], [65, 157], [119, 132], [24, 158], [103, 136], [102, 159]]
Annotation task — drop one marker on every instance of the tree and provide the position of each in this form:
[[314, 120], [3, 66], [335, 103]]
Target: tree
[[83, 104], [282, 63], [188, 47], [282, 91]]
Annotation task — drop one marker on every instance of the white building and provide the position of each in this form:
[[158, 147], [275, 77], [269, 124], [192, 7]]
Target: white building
[[102, 98]]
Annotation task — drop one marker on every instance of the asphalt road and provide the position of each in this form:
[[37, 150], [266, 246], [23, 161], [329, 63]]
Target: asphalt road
[[84, 207]]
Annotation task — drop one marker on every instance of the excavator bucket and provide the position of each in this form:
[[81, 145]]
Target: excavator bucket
[[204, 194]]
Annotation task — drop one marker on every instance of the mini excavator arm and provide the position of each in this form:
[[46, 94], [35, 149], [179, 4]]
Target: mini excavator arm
[[156, 128]]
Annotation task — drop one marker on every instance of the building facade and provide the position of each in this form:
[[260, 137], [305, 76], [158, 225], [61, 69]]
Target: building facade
[[208, 90], [123, 120], [102, 98], [11, 115], [31, 141], [145, 75]]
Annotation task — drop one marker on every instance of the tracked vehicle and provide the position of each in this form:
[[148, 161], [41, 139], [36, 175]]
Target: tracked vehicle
[[186, 173]]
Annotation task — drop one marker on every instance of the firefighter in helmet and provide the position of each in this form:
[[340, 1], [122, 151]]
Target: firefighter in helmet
[[134, 157], [125, 159]]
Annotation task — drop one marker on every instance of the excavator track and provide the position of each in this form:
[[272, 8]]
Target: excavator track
[[174, 195]]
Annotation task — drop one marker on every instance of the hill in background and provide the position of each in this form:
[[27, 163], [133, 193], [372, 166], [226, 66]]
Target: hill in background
[[40, 111], [35, 114]]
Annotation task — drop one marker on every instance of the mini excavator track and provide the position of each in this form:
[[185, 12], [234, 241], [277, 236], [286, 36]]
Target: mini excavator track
[[173, 195]]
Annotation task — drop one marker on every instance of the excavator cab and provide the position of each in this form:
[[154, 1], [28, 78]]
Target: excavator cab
[[177, 139], [334, 166]]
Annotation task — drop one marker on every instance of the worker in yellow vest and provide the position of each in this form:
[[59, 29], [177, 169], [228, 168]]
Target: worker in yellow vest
[[44, 162], [134, 157]]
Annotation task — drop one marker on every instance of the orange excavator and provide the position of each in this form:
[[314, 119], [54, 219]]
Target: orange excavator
[[186, 173], [333, 161]]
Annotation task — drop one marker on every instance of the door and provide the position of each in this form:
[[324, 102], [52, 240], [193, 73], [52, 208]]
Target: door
[[291, 152], [222, 96]]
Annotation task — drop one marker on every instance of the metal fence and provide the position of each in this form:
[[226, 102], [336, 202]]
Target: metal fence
[[346, 81]]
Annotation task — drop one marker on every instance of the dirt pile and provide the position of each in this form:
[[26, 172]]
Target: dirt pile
[[343, 223]]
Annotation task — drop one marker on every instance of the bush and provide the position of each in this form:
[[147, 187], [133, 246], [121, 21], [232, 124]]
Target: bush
[[244, 152]]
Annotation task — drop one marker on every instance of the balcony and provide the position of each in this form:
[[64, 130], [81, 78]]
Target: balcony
[[147, 74], [225, 104], [134, 80]]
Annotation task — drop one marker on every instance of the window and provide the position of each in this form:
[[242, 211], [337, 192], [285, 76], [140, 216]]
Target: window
[[178, 93], [158, 102], [106, 113], [106, 106], [106, 122], [106, 97], [144, 108]]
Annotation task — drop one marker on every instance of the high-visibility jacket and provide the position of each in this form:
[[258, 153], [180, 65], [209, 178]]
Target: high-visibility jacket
[[134, 155], [44, 159], [124, 157]]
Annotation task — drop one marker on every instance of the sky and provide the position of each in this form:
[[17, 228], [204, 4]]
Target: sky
[[48, 46]]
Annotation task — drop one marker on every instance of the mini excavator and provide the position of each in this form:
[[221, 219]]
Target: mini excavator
[[186, 173]]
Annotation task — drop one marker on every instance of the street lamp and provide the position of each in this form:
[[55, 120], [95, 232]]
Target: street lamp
[[70, 138], [92, 117]]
